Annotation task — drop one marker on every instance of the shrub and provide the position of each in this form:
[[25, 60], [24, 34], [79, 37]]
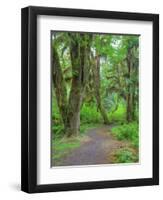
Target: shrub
[[57, 124], [125, 156], [57, 130], [90, 114], [119, 115], [127, 132]]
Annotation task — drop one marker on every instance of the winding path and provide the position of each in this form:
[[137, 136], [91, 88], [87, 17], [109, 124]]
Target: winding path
[[97, 150]]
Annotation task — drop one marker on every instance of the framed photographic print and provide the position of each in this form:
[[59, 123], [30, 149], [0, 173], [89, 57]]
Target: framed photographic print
[[90, 99]]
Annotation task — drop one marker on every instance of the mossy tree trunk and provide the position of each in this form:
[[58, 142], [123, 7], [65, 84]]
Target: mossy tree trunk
[[59, 85], [129, 93], [96, 77], [79, 52], [70, 109]]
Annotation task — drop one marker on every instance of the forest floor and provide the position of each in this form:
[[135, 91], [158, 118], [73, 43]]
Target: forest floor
[[97, 148]]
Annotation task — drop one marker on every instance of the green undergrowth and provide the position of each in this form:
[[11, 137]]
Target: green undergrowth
[[90, 115], [89, 118], [129, 133], [119, 115], [125, 155], [61, 147]]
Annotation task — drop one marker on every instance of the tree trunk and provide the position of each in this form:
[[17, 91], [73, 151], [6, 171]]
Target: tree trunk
[[133, 105], [96, 76], [129, 94], [79, 51], [70, 109], [59, 85], [129, 108], [73, 111]]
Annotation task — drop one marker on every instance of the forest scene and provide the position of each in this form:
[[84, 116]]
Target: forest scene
[[95, 98]]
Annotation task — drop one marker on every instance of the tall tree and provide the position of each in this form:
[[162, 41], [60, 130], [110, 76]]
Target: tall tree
[[79, 48], [59, 84], [97, 85], [80, 52], [132, 44], [100, 51]]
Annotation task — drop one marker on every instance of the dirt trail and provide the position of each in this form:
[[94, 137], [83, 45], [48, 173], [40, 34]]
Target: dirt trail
[[97, 150]]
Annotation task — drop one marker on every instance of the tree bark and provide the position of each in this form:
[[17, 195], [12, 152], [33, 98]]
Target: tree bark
[[96, 76], [129, 108], [129, 94], [59, 85], [133, 105], [70, 109], [79, 51], [73, 111]]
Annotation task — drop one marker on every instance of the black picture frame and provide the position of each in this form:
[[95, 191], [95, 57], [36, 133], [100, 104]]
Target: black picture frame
[[29, 99]]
